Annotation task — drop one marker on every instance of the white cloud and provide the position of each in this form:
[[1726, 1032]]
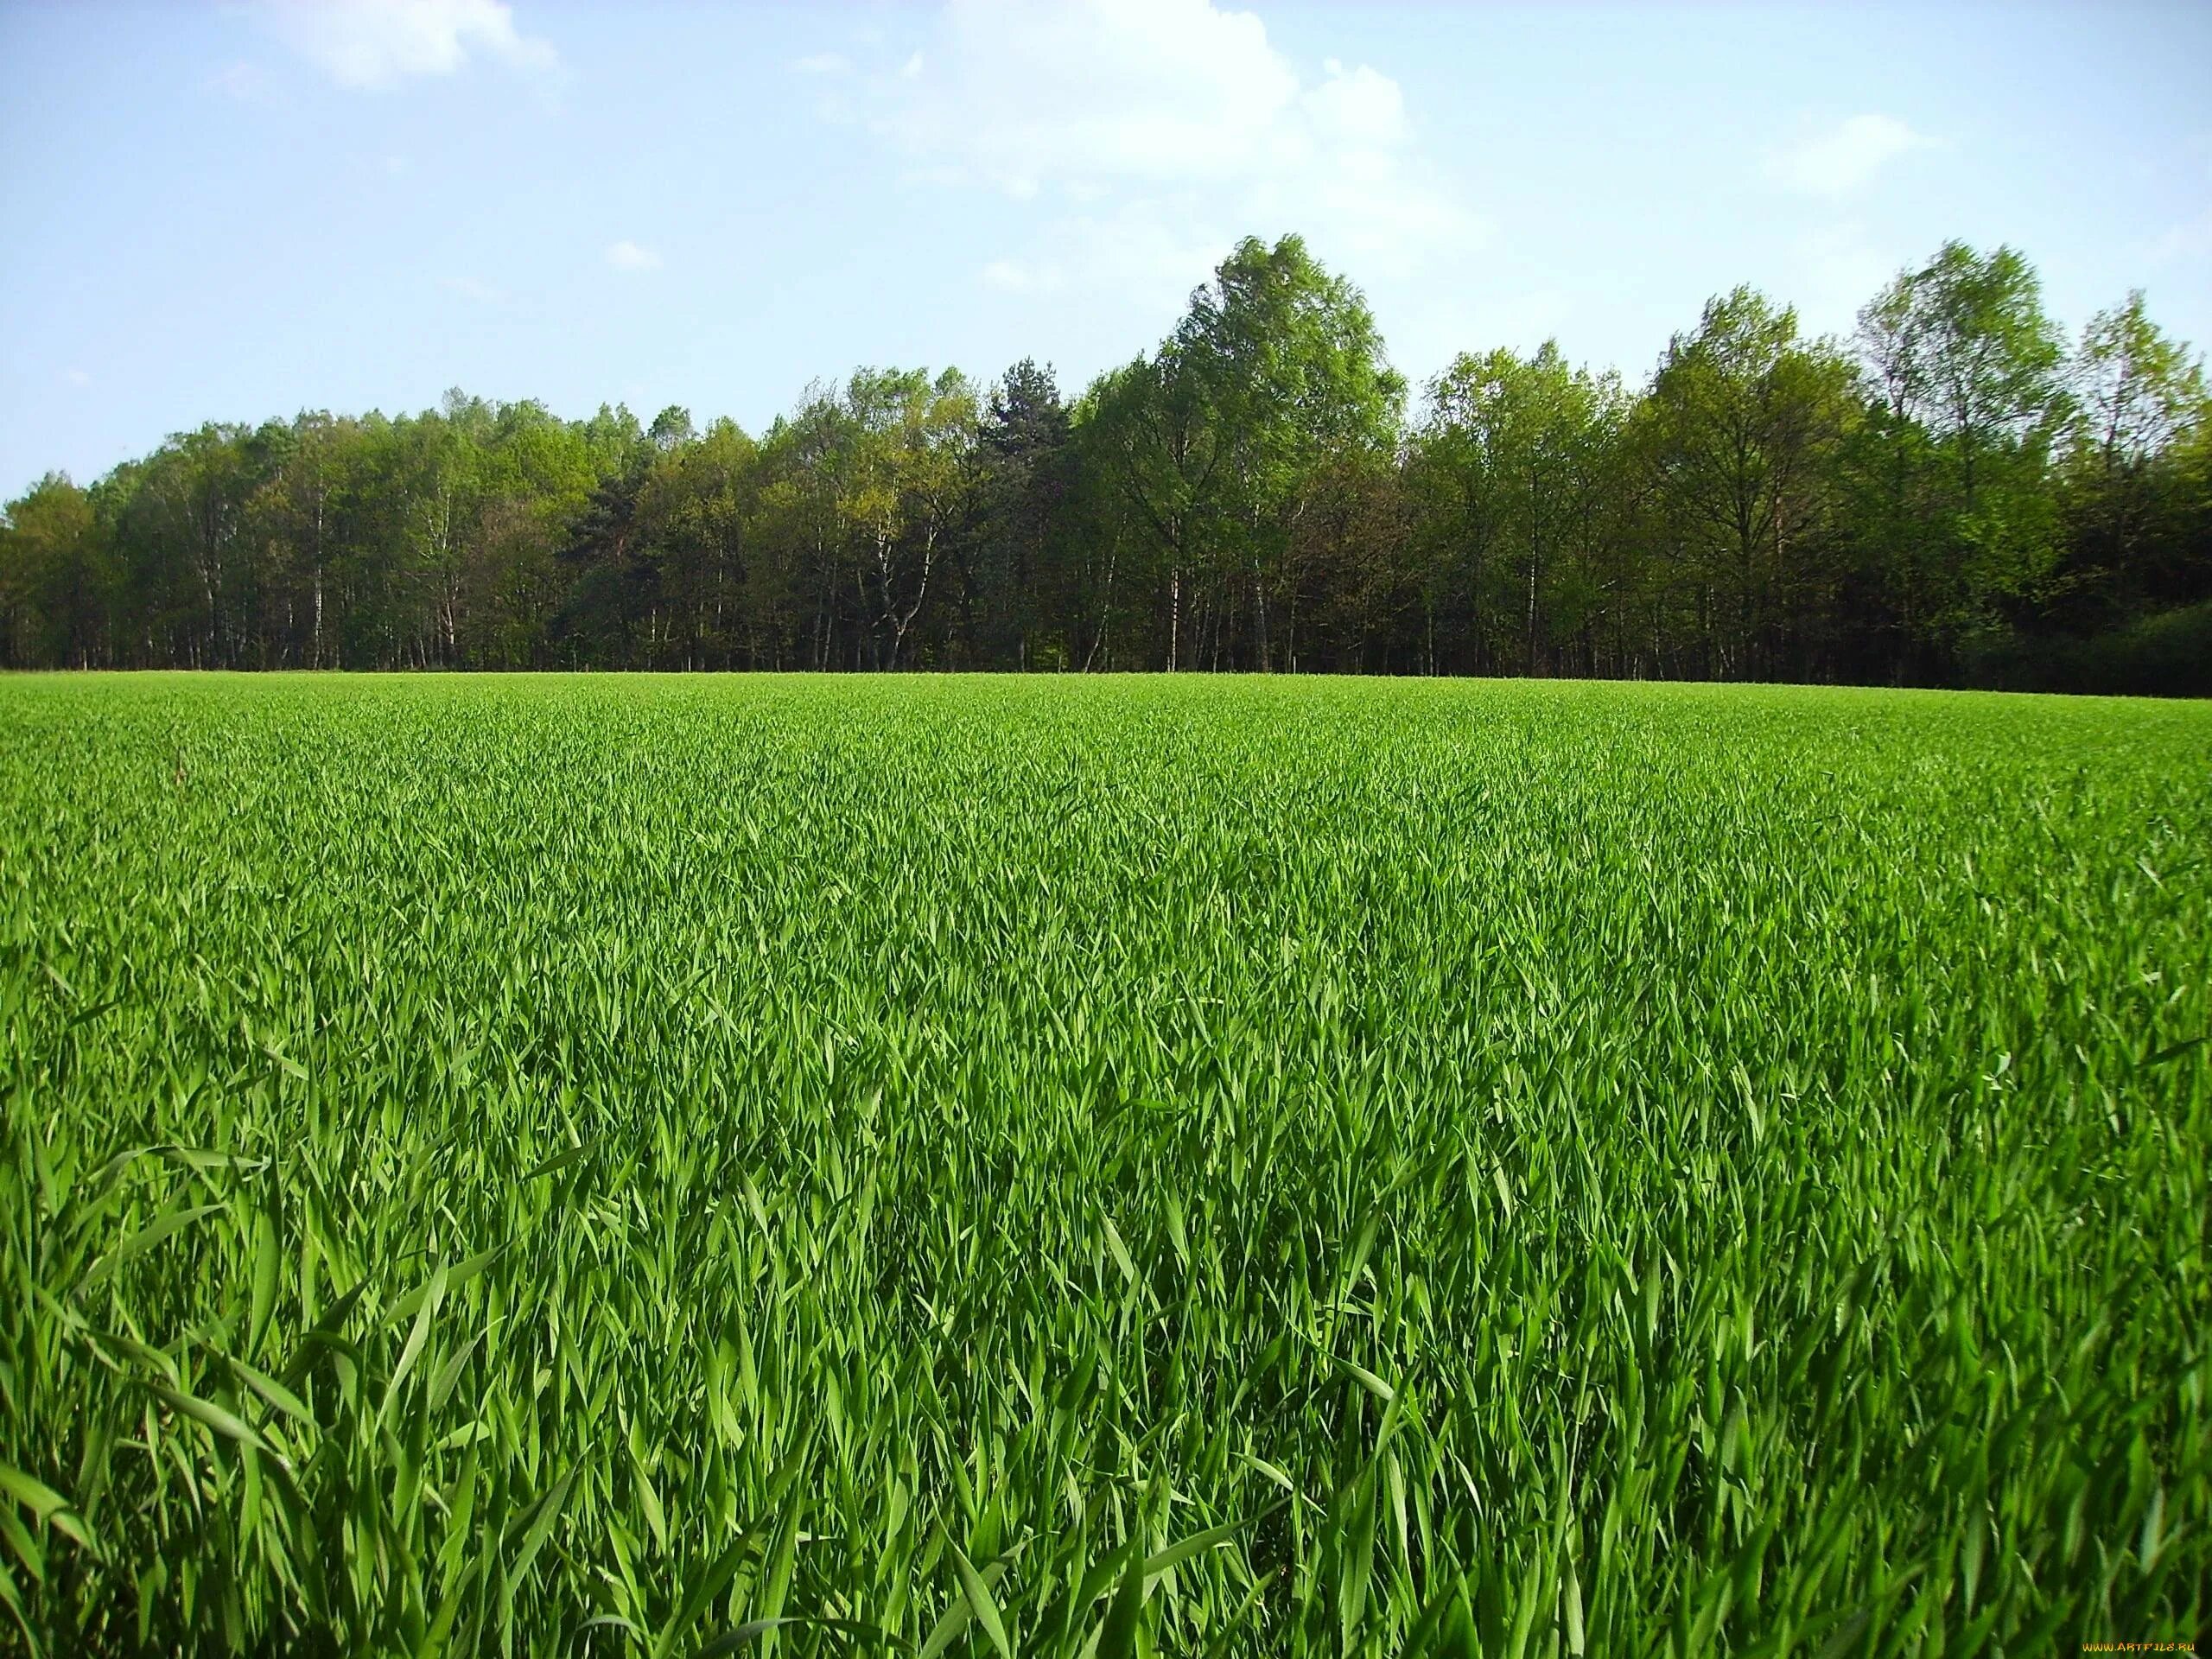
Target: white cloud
[[1020, 276], [825, 63], [1838, 160], [469, 289], [626, 255], [76, 376], [376, 44], [1152, 133], [1017, 96], [240, 80]]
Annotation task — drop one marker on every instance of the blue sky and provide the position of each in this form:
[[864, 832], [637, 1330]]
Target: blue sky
[[231, 211]]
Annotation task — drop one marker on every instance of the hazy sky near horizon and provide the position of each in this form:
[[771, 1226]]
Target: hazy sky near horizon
[[231, 212]]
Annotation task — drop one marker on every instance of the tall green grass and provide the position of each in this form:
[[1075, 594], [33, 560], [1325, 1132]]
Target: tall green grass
[[810, 1166]]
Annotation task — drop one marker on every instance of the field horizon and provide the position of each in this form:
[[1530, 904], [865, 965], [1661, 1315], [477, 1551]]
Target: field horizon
[[1073, 676]]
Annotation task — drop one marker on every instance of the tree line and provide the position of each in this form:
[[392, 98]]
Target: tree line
[[1956, 494]]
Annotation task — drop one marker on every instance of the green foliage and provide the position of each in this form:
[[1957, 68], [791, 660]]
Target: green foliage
[[54, 576], [1511, 465], [649, 1166], [2168, 653], [1014, 580], [1224, 439], [1738, 436], [2134, 475], [1971, 377], [1245, 495]]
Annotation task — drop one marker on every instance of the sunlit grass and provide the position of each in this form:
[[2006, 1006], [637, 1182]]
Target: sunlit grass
[[591, 1165]]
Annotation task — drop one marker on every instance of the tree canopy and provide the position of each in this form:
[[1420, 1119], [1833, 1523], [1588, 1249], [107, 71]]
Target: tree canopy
[[1951, 494]]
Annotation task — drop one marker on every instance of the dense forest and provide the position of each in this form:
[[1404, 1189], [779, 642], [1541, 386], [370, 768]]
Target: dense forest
[[1956, 494]]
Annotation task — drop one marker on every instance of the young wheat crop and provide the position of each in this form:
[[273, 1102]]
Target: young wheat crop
[[1059, 1167]]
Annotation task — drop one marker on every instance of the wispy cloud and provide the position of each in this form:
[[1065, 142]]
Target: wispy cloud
[[379, 44], [469, 289], [241, 80], [76, 376], [1016, 277], [626, 255], [825, 63], [1838, 160], [1150, 131]]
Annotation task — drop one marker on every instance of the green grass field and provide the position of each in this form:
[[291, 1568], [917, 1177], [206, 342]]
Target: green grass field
[[594, 1166]]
